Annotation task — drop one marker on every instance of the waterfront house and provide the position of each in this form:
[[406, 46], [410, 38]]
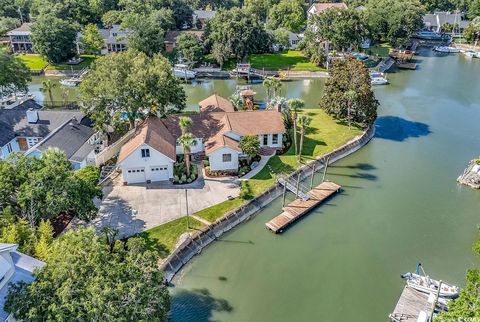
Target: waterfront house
[[170, 40], [20, 38], [435, 21], [14, 267], [217, 129], [115, 39], [293, 40], [30, 129], [200, 18]]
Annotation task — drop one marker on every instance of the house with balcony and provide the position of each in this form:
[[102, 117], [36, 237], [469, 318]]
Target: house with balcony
[[20, 38], [437, 20], [201, 17], [151, 153]]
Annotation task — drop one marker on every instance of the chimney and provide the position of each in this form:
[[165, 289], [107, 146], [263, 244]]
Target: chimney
[[32, 115]]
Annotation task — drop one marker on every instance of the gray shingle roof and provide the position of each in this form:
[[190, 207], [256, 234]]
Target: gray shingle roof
[[14, 122], [440, 18], [70, 138]]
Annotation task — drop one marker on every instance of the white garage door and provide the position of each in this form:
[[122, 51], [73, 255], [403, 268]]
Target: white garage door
[[159, 173], [135, 175]]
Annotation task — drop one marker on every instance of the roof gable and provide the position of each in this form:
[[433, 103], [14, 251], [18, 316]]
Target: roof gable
[[216, 103], [319, 7], [153, 133]]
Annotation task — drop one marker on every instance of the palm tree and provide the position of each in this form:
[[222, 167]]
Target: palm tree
[[276, 85], [303, 122], [295, 106], [351, 96], [267, 83], [236, 101], [184, 122], [186, 141], [47, 86]]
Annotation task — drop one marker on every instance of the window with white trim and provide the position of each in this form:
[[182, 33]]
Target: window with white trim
[[227, 157], [274, 138], [145, 153]]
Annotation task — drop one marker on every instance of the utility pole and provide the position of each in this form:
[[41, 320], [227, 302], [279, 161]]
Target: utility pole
[[186, 204]]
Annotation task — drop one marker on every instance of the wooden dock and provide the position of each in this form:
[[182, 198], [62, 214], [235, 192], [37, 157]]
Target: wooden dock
[[300, 207], [410, 306]]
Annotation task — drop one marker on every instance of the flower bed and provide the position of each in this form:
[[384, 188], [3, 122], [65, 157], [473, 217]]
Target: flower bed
[[180, 173]]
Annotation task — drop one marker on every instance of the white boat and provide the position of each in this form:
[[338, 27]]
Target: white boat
[[70, 82], [378, 78], [182, 71], [426, 284], [470, 53], [379, 81], [446, 49]]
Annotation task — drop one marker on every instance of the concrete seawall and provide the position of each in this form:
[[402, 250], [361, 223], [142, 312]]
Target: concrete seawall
[[194, 245]]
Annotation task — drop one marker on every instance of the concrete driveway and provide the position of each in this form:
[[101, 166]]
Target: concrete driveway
[[135, 208]]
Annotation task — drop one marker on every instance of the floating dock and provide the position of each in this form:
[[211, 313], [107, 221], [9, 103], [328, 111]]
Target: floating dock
[[300, 207]]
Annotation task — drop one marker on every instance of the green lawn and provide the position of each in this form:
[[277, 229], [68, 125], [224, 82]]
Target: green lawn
[[164, 238], [213, 213], [36, 62], [33, 62], [325, 135], [381, 50], [292, 59], [87, 61]]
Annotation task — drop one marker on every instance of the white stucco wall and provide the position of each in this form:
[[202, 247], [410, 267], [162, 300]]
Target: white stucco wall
[[216, 159], [270, 140], [198, 147], [135, 160]]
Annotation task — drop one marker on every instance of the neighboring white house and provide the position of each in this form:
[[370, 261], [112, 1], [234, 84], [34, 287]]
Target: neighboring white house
[[293, 40], [14, 267], [217, 129], [115, 39], [76, 139]]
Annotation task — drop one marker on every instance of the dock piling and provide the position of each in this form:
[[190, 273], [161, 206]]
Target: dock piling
[[325, 170], [313, 175]]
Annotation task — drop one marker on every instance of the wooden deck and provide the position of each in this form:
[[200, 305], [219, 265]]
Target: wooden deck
[[298, 208], [409, 306]]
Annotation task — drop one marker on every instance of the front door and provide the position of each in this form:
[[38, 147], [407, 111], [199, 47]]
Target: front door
[[265, 139]]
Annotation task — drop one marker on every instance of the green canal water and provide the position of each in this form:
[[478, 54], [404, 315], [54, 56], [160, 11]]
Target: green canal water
[[400, 205]]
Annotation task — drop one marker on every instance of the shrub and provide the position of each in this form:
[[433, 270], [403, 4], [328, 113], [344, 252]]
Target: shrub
[[189, 180], [175, 178], [184, 177], [245, 190], [193, 176], [206, 163]]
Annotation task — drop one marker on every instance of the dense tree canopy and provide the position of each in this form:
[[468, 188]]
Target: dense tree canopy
[[237, 32], [350, 75], [348, 32], [145, 33], [53, 38], [44, 187], [133, 83], [394, 20], [91, 39], [88, 279], [182, 12], [189, 49], [288, 14], [7, 24], [14, 75]]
